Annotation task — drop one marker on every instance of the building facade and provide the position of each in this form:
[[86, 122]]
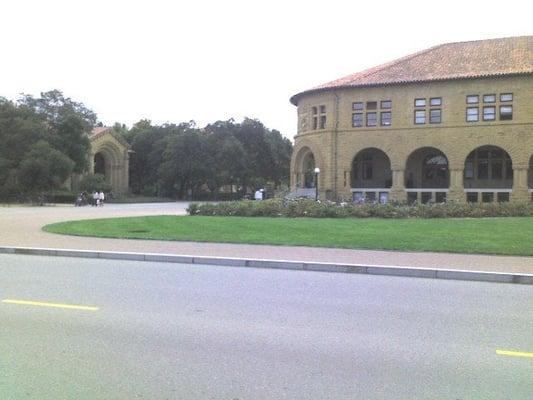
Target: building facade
[[454, 122], [109, 156]]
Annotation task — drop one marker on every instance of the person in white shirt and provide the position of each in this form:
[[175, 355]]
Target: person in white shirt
[[101, 197]]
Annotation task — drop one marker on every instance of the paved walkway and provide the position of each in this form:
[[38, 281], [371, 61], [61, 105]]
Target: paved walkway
[[21, 227]]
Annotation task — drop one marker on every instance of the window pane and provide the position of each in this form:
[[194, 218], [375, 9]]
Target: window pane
[[508, 169], [315, 123], [386, 104], [472, 114], [497, 169], [503, 196], [435, 101], [471, 197], [440, 197], [315, 110], [357, 106], [487, 197], [506, 112], [420, 102], [472, 99], [371, 105], [435, 116], [371, 119], [489, 98], [506, 97], [367, 170], [357, 120], [322, 109], [489, 113], [322, 122], [420, 117], [385, 118], [483, 169]]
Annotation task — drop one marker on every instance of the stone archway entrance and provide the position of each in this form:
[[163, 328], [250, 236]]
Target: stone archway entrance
[[427, 177], [371, 176], [110, 158], [488, 175]]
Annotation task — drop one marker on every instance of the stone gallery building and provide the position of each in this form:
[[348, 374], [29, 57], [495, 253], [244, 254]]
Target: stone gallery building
[[453, 122]]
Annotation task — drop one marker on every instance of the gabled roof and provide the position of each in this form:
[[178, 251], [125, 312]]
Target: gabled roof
[[99, 131], [462, 60]]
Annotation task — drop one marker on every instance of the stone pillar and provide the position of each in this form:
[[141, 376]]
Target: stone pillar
[[397, 192], [456, 192], [520, 189]]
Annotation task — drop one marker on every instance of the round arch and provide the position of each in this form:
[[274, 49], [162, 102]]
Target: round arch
[[371, 168], [305, 157], [427, 167], [488, 167]]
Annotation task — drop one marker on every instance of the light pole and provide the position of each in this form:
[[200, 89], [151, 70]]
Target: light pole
[[317, 171]]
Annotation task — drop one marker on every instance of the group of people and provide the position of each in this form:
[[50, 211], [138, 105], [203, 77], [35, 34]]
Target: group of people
[[96, 199]]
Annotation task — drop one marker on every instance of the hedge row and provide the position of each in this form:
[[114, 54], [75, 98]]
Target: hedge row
[[312, 209]]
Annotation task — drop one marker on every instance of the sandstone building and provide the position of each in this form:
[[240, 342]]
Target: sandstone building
[[109, 156], [453, 122]]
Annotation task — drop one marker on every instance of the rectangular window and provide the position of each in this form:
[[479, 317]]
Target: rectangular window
[[506, 113], [505, 97], [371, 119], [496, 169], [386, 118], [435, 101], [435, 116], [322, 109], [371, 105], [420, 117], [472, 114], [357, 120], [489, 98], [357, 106], [386, 104], [322, 122], [420, 102], [315, 118], [503, 196], [367, 170], [471, 197], [472, 99], [487, 197], [489, 113], [483, 169]]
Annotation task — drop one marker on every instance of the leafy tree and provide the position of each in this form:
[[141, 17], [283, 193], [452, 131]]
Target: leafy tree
[[43, 169], [67, 123]]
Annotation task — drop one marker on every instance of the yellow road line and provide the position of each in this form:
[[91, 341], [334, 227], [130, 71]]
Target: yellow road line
[[55, 305], [514, 353]]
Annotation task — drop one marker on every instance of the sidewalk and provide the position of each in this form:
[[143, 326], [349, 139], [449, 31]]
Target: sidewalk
[[21, 227]]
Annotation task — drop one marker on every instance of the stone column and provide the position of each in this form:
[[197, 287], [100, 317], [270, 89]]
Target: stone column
[[456, 191], [397, 192], [520, 189]]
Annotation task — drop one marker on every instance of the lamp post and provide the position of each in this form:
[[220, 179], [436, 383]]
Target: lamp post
[[317, 171]]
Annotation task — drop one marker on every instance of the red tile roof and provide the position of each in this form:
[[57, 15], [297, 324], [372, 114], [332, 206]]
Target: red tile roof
[[462, 60]]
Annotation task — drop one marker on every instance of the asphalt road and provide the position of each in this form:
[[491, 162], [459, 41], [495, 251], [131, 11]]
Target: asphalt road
[[167, 331]]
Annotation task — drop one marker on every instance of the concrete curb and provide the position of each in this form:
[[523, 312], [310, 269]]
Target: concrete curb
[[391, 270]]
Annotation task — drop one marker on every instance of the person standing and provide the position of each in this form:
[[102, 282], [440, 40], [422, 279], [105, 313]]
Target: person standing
[[95, 198], [101, 197]]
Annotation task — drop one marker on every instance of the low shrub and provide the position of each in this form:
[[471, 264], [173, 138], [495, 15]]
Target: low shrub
[[312, 209]]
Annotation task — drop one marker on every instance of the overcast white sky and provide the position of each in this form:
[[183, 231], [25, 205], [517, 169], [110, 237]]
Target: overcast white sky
[[173, 61]]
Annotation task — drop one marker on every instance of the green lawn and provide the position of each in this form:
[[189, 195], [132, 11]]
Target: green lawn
[[485, 236]]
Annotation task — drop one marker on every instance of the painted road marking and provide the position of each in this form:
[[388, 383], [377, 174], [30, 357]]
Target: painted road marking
[[514, 353], [55, 305]]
